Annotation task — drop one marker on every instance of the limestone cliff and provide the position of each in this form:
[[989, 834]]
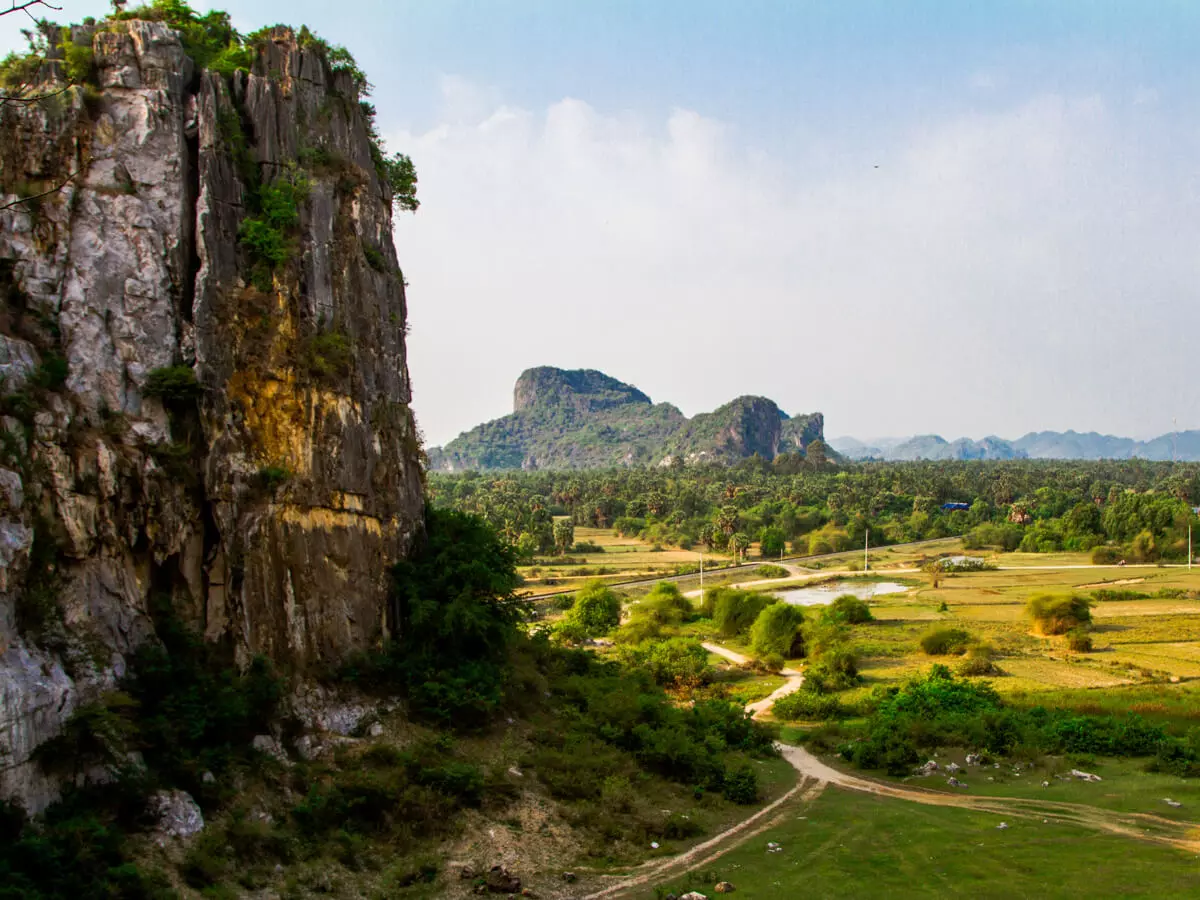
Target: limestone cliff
[[202, 347], [581, 418]]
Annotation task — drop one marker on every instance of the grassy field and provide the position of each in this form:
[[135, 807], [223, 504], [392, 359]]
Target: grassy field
[[847, 844], [1145, 641], [620, 559]]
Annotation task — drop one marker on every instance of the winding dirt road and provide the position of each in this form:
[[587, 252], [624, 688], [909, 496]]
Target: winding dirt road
[[816, 775]]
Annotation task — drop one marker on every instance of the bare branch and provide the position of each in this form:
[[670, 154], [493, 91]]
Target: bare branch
[[53, 190], [36, 98], [24, 6]]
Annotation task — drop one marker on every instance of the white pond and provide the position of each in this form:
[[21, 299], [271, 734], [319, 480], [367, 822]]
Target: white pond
[[826, 593]]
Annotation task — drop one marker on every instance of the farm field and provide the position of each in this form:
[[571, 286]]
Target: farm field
[[845, 844], [1136, 639], [620, 559]]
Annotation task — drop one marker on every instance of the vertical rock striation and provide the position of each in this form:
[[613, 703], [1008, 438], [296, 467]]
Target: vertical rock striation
[[267, 492]]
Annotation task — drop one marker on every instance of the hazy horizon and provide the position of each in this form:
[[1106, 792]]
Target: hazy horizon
[[919, 218]]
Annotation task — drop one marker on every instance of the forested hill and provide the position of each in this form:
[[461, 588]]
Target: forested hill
[[579, 419], [1184, 446]]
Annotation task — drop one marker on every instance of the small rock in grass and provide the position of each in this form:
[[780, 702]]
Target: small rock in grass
[[1085, 776], [1172, 803], [1002, 826], [724, 887], [954, 782], [569, 877], [654, 845], [1045, 784], [694, 895]]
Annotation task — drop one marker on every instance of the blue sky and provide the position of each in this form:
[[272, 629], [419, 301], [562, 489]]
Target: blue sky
[[967, 218]]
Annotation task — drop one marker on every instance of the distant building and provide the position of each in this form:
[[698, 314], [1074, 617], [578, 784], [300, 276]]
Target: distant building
[[950, 507]]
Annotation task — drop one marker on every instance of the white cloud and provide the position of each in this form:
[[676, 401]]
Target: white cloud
[[997, 272]]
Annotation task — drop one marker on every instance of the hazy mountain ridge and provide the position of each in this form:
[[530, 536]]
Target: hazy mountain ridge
[[582, 418], [1035, 445]]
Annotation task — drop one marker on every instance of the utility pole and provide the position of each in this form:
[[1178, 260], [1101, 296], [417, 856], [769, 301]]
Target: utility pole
[[701, 577]]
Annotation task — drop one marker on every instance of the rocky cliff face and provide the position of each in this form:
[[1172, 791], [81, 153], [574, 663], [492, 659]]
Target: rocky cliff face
[[191, 411], [576, 419]]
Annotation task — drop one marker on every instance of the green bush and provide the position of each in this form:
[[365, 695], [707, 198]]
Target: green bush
[[1057, 614], [659, 613], [777, 631], [1116, 595], [938, 710], [270, 478], [51, 373], [734, 611], [977, 661], [456, 618], [1079, 641], [596, 610], [676, 661], [173, 384], [769, 571], [945, 641], [849, 609], [329, 354], [1106, 555], [808, 706], [741, 786], [196, 712]]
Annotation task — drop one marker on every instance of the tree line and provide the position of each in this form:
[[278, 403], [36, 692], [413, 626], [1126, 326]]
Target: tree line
[[1116, 509]]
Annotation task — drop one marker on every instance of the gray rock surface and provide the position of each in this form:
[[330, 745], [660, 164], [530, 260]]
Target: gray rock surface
[[135, 265], [178, 815]]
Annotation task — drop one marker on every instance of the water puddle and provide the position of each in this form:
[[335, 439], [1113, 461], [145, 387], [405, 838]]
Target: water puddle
[[826, 593]]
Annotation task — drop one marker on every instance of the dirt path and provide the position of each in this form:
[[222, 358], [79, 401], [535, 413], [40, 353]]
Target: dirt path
[[1142, 826], [702, 854], [760, 708]]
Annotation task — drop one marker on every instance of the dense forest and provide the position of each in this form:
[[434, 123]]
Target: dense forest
[[1132, 509]]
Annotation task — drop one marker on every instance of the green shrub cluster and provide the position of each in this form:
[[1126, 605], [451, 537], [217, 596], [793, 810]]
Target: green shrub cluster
[[269, 234], [938, 710], [1058, 614], [778, 631], [455, 617], [658, 614], [595, 611], [613, 722], [173, 384], [849, 609], [328, 354], [734, 611], [676, 662], [945, 641], [209, 39]]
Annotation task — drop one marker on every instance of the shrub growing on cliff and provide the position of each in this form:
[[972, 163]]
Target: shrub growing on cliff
[[173, 384], [196, 712], [455, 616]]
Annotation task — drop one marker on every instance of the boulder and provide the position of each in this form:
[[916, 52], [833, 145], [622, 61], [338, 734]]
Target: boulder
[[178, 815], [724, 887], [500, 881], [1085, 776]]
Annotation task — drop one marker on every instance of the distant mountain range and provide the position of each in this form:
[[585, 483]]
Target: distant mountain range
[[581, 418], [1035, 445]]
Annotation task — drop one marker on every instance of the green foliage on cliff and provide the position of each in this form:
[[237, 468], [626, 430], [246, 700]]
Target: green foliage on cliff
[[173, 384]]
